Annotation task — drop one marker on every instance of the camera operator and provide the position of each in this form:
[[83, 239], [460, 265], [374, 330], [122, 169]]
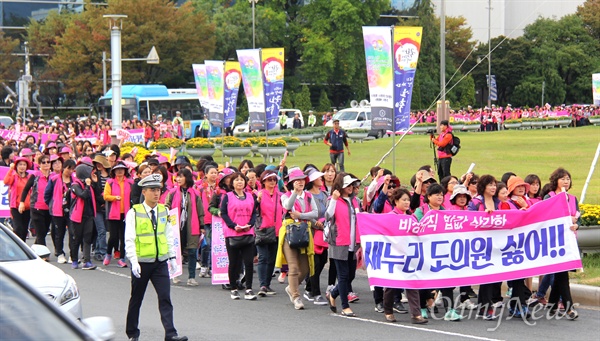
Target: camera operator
[[443, 140]]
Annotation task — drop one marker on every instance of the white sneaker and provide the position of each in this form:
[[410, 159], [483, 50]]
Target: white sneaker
[[62, 259], [198, 266], [498, 304], [176, 280], [467, 304], [298, 305], [404, 299], [438, 299], [192, 282], [203, 272]]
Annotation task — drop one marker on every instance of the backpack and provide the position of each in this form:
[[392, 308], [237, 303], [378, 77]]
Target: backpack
[[454, 146]]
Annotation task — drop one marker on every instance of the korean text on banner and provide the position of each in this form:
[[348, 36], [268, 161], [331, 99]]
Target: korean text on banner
[[201, 85], [272, 70], [378, 54], [253, 87], [219, 258], [596, 88], [174, 222], [4, 201], [135, 136], [460, 248], [233, 78], [407, 45], [215, 70]]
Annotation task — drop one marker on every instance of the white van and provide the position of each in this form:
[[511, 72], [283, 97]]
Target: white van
[[358, 117], [290, 113]]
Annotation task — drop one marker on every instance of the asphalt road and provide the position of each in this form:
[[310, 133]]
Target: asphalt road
[[206, 312]]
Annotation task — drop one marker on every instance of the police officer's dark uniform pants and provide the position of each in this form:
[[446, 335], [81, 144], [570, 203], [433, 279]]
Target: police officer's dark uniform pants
[[158, 273]]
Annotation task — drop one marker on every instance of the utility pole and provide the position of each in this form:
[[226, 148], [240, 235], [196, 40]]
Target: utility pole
[[490, 54]]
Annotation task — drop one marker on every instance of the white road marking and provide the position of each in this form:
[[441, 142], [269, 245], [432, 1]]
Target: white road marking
[[467, 336], [129, 277]]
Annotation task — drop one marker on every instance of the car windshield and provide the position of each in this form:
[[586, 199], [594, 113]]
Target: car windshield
[[290, 114], [10, 250], [346, 115], [25, 308]]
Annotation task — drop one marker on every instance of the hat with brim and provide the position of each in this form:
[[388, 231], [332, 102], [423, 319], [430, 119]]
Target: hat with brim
[[381, 180], [269, 175], [65, 150], [460, 189], [101, 159], [515, 182], [27, 152], [314, 174], [165, 161], [153, 162], [119, 165], [55, 157], [293, 175], [153, 180], [348, 180], [86, 161], [24, 159]]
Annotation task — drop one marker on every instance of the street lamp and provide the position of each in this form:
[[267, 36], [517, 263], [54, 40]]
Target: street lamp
[[151, 59], [253, 2], [115, 22]]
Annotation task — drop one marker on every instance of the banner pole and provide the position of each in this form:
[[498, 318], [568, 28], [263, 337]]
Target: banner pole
[[589, 177], [267, 136]]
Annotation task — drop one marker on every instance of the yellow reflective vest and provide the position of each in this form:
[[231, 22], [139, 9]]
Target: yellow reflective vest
[[150, 242]]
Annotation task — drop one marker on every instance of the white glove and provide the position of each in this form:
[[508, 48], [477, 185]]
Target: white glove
[[136, 270], [174, 266]]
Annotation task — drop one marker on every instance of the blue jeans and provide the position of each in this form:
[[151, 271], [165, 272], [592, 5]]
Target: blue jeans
[[547, 282], [205, 250], [346, 271], [100, 248], [339, 157], [266, 263]]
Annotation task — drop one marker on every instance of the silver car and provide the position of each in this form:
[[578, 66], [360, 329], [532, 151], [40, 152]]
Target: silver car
[[18, 258]]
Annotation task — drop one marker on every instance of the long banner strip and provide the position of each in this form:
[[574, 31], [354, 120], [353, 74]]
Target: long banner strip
[[378, 55], [407, 45], [233, 78], [272, 70], [459, 248]]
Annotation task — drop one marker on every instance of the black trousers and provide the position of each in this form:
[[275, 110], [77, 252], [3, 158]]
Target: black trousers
[[561, 288], [518, 293], [116, 239], [158, 273], [238, 256], [20, 222], [444, 167], [61, 224], [81, 233], [41, 220], [313, 285], [485, 297]]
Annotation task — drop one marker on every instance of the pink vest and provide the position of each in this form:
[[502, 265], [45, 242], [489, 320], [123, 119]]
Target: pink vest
[[57, 194], [240, 212], [207, 195], [114, 208], [271, 210], [342, 222], [192, 213], [447, 202], [572, 204], [387, 207], [307, 204], [37, 191], [77, 211], [15, 197]]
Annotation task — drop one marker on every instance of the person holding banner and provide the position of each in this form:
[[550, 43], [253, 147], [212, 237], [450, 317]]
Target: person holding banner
[[401, 199], [208, 189], [300, 208], [189, 204], [149, 221], [560, 181], [16, 179], [344, 238]]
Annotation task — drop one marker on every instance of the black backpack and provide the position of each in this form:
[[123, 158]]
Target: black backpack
[[454, 146]]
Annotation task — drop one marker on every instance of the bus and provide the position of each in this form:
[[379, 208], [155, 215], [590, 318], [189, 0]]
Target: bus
[[144, 100]]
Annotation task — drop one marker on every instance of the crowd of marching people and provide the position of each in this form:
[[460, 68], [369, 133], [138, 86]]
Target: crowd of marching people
[[293, 221]]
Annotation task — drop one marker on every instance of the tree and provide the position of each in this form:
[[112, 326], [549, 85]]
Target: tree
[[324, 103], [286, 101], [9, 64], [589, 15], [458, 38], [467, 94], [302, 100], [181, 37]]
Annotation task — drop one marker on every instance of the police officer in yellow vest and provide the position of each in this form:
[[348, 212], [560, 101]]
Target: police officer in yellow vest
[[205, 126], [283, 121], [149, 246]]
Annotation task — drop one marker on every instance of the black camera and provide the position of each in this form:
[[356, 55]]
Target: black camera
[[431, 131]]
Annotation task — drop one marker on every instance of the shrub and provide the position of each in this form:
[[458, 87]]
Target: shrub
[[199, 142], [166, 143], [590, 214]]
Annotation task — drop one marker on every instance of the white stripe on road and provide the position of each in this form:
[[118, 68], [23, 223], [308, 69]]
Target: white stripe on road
[[129, 277], [467, 336]]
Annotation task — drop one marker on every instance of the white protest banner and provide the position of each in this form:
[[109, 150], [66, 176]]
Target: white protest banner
[[174, 222]]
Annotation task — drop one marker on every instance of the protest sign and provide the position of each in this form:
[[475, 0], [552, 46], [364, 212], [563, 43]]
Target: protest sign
[[219, 258], [460, 248], [174, 221]]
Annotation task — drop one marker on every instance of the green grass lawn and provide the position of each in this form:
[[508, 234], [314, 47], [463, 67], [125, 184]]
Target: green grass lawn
[[520, 151], [591, 272]]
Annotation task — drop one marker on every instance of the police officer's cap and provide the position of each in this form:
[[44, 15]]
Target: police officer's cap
[[151, 181]]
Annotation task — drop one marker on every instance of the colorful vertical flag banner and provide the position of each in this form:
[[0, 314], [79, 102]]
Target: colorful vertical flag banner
[[493, 89], [215, 80], [201, 86], [272, 71], [378, 54], [596, 88], [407, 45], [253, 87], [233, 78]]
